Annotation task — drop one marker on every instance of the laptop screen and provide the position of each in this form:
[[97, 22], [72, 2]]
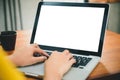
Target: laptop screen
[[70, 27]]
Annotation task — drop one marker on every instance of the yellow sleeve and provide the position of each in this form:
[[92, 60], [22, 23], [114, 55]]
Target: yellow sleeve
[[7, 70]]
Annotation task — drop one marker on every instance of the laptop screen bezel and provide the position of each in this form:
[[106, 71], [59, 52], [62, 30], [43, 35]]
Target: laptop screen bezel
[[44, 47]]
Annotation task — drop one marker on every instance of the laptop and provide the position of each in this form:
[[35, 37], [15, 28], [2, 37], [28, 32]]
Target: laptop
[[77, 27]]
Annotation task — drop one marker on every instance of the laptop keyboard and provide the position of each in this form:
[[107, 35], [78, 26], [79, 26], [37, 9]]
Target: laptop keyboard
[[81, 61], [49, 53]]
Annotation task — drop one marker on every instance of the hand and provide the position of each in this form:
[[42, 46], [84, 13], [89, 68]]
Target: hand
[[24, 56], [58, 64]]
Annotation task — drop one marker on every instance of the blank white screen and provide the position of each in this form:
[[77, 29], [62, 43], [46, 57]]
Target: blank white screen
[[70, 27]]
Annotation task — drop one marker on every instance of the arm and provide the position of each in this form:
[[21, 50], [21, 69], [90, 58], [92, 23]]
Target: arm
[[7, 70], [58, 64], [24, 56]]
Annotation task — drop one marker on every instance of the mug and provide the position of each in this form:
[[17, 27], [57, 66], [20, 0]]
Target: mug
[[8, 40]]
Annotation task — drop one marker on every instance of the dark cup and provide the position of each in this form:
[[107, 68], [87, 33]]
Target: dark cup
[[8, 40]]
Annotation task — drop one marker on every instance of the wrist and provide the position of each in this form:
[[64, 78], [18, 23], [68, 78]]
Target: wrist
[[13, 60], [52, 76]]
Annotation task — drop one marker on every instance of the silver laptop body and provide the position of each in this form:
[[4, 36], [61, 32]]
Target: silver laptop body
[[78, 27]]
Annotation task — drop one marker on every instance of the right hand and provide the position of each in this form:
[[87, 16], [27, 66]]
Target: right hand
[[58, 64]]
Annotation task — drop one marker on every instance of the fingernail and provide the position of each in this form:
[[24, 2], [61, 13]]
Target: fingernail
[[45, 57]]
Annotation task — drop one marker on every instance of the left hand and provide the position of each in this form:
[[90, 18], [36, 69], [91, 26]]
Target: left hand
[[24, 56]]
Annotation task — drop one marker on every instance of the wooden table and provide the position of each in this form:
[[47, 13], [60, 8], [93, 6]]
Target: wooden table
[[104, 1], [109, 63]]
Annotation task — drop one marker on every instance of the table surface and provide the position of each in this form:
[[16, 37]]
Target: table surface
[[110, 60]]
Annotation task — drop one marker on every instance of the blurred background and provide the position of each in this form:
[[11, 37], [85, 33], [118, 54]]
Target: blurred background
[[20, 14]]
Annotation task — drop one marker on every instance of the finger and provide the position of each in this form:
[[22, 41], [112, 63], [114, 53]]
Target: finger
[[69, 55], [71, 62], [35, 45], [39, 59], [66, 52], [38, 50], [54, 52]]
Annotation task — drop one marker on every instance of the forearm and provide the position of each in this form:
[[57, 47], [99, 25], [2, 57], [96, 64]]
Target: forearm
[[52, 77]]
